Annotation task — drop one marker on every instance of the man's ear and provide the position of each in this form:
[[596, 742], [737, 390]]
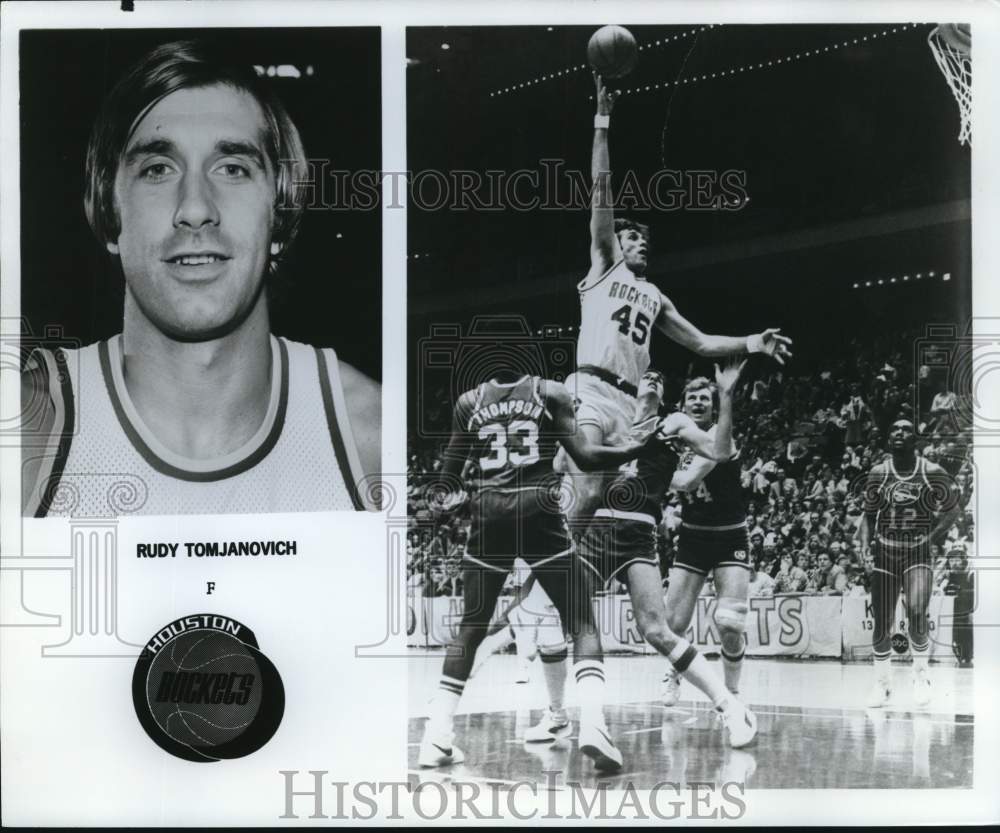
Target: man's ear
[[112, 247]]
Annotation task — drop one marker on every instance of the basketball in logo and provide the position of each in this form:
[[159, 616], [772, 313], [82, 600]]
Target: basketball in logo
[[203, 691]]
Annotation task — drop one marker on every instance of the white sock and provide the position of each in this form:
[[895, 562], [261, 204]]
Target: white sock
[[589, 676], [883, 667], [694, 667], [554, 665], [921, 655], [732, 668], [443, 706]]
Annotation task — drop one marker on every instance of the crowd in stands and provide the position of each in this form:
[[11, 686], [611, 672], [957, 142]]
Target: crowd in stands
[[807, 435]]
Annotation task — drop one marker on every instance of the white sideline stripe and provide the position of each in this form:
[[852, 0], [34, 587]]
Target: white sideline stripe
[[464, 777], [786, 714]]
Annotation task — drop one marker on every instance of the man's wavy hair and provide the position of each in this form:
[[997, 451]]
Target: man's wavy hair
[[699, 383], [626, 223], [189, 64]]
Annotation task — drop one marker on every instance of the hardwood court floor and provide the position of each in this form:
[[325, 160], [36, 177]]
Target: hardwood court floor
[[813, 728]]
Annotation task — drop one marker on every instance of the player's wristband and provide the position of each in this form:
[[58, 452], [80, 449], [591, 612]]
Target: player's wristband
[[602, 121], [755, 343]]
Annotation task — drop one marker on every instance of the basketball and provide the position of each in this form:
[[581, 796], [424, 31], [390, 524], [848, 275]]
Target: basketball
[[612, 51], [204, 690]]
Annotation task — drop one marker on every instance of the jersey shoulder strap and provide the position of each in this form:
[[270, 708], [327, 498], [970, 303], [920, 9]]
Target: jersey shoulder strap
[[584, 285], [49, 447]]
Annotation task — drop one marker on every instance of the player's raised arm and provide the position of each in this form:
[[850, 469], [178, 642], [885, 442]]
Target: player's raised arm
[[588, 456], [676, 327], [604, 247]]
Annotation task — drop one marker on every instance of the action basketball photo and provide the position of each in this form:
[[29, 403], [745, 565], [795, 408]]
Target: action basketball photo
[[692, 494]]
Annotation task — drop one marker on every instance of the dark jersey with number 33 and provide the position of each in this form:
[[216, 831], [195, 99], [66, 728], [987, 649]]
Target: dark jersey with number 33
[[513, 438]]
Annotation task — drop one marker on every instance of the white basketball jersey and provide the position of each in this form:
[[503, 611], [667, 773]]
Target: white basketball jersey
[[617, 314], [108, 463]]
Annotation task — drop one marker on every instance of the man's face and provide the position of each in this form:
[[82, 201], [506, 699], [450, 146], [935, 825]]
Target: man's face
[[824, 561], [635, 250], [195, 195], [698, 406], [901, 436], [651, 383], [803, 562]]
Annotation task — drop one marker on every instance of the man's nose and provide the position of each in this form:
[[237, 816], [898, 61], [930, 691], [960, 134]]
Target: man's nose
[[196, 205]]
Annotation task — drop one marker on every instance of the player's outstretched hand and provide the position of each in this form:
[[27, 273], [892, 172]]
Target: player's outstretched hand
[[605, 100], [727, 376], [771, 342]]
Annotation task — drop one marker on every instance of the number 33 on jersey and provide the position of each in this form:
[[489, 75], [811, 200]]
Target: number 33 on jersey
[[514, 443]]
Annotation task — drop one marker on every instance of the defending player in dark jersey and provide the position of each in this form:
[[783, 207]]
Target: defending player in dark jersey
[[713, 538], [510, 429], [621, 544], [910, 503]]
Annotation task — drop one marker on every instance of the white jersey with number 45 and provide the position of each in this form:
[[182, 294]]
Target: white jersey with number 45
[[617, 313]]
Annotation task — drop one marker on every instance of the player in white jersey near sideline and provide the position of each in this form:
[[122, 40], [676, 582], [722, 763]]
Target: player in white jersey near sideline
[[193, 175], [618, 309]]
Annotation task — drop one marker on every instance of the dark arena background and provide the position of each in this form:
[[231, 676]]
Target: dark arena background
[[329, 292], [847, 224]]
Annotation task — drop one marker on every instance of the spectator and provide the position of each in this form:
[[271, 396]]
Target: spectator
[[856, 417], [790, 579], [761, 584]]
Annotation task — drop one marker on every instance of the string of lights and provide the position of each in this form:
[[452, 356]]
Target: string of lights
[[900, 279], [722, 73], [784, 60], [565, 71]]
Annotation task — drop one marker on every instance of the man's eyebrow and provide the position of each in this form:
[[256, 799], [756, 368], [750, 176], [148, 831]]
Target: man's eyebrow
[[231, 147], [226, 147], [148, 148]]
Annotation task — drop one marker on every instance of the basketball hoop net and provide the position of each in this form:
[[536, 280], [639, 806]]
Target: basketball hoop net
[[951, 45]]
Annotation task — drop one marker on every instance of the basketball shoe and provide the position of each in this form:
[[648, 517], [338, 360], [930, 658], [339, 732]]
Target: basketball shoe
[[552, 727]]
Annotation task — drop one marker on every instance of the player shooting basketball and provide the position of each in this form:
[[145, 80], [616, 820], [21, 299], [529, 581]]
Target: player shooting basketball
[[191, 184], [618, 308]]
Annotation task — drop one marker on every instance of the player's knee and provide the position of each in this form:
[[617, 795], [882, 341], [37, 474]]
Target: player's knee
[[731, 617], [677, 621], [654, 629]]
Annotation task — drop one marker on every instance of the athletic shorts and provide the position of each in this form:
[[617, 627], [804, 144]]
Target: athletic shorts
[[613, 542], [702, 550], [897, 559], [515, 523], [601, 404]]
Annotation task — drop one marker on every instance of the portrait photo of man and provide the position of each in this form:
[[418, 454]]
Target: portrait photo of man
[[220, 352]]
